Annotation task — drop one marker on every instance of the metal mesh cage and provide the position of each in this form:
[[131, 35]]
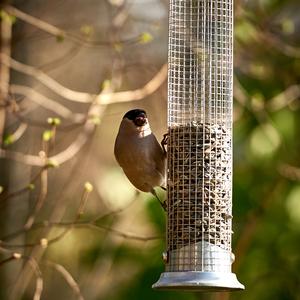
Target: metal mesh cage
[[199, 145]]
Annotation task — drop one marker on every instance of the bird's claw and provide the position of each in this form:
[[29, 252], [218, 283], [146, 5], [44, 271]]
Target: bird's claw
[[164, 142]]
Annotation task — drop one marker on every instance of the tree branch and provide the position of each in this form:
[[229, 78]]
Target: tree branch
[[96, 109], [288, 171], [82, 97], [68, 278], [60, 33], [46, 102], [285, 98], [47, 81], [5, 48]]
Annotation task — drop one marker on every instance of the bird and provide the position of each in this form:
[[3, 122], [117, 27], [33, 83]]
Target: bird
[[139, 153]]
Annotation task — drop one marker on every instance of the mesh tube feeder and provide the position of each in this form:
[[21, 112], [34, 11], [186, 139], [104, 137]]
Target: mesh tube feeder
[[199, 186]]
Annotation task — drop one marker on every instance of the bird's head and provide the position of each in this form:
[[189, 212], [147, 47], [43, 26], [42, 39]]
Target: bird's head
[[137, 116]]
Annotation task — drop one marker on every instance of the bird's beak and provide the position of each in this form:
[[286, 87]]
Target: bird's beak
[[140, 120]]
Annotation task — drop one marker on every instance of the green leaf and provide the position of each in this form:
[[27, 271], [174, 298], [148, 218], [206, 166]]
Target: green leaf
[[87, 30], [7, 17], [51, 163], [95, 119], [106, 84], [146, 38], [54, 121], [118, 47], [88, 187], [244, 31], [31, 186], [287, 26], [60, 38], [8, 140], [47, 135], [293, 205], [264, 140]]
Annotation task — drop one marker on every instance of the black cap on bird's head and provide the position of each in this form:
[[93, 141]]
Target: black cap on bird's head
[[138, 116]]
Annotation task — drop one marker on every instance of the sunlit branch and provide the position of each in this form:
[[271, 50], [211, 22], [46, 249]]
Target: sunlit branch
[[5, 48], [280, 45], [26, 188], [33, 264], [76, 96], [62, 34], [285, 98], [46, 102], [253, 221], [137, 94], [96, 109], [18, 133], [290, 172], [41, 198], [47, 81], [79, 224], [67, 277]]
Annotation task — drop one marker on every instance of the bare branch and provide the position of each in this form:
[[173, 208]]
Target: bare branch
[[5, 48], [253, 220], [41, 198], [79, 224], [82, 97], [35, 267], [96, 109], [47, 80], [13, 137], [68, 278], [290, 172], [61, 34], [285, 98], [34, 21], [46, 102], [23, 189], [4, 261], [39, 279], [282, 46], [137, 94], [27, 159]]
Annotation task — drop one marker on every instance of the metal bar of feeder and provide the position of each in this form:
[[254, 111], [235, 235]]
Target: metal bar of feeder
[[199, 186]]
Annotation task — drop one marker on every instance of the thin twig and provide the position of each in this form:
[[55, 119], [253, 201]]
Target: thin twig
[[41, 198], [5, 48], [252, 223], [288, 171], [4, 261], [61, 34], [96, 109], [68, 226], [47, 81], [33, 264], [284, 98], [46, 102], [107, 98], [23, 189], [68, 278], [15, 136]]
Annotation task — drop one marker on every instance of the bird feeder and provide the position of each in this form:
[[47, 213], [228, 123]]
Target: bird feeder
[[199, 176]]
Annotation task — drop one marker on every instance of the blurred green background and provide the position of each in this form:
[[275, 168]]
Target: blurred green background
[[103, 262]]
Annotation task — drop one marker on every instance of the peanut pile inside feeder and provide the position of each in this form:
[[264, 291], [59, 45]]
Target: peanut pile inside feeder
[[199, 185]]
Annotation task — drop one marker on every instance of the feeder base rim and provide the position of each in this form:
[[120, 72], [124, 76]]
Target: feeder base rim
[[198, 281]]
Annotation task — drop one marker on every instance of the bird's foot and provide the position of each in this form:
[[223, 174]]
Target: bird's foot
[[163, 204], [164, 142]]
